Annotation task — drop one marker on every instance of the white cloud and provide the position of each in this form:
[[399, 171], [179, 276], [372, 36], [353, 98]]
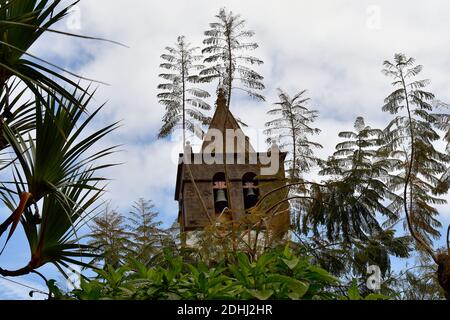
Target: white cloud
[[147, 171]]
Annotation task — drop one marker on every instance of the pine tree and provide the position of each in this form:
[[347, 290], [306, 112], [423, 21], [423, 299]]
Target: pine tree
[[227, 61], [292, 128], [147, 238], [410, 136], [109, 238], [184, 103]]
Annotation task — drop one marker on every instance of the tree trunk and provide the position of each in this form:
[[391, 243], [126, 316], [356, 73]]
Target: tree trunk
[[230, 69], [183, 79], [294, 147]]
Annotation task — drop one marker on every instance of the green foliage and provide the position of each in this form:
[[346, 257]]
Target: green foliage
[[56, 170], [116, 238], [342, 216], [22, 24], [356, 188], [54, 182], [421, 285], [378, 249], [353, 293], [275, 275], [417, 282], [349, 259]]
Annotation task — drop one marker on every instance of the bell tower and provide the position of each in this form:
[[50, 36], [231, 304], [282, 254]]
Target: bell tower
[[227, 177]]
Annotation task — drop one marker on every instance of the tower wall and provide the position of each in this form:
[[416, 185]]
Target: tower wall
[[192, 214]]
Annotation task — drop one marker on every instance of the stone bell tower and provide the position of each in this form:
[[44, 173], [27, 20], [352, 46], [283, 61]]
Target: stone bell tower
[[208, 191]]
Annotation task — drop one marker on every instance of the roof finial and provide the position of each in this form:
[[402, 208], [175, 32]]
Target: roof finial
[[221, 100]]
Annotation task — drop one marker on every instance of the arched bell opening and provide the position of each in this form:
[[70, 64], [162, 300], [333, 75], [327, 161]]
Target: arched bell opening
[[220, 192], [250, 190]]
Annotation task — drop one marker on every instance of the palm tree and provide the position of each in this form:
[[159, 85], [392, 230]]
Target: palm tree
[[22, 24], [57, 171], [227, 61], [181, 60], [55, 183]]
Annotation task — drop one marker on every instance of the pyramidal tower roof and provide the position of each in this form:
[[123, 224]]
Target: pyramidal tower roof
[[225, 123]]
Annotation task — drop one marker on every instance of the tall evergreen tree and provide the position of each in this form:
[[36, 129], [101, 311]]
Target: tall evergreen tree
[[227, 60], [147, 238], [292, 128], [109, 238], [184, 103]]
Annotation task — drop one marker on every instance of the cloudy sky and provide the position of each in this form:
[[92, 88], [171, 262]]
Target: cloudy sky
[[334, 49]]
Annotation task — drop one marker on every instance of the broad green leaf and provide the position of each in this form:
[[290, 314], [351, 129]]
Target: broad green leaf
[[291, 263], [299, 288], [261, 294], [353, 291]]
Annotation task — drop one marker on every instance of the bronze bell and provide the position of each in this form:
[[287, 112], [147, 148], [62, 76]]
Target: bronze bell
[[251, 192], [221, 197], [251, 195]]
